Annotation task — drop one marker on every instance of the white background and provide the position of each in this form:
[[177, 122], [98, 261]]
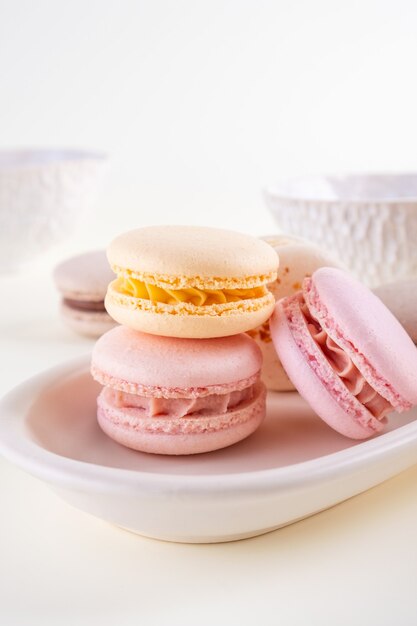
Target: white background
[[199, 104]]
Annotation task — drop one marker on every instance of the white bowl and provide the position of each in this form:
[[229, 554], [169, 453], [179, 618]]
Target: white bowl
[[44, 194], [294, 465], [368, 220]]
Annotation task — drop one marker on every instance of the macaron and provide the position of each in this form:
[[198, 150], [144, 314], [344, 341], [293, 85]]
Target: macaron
[[401, 299], [345, 352], [82, 281], [166, 395], [190, 282], [298, 258]]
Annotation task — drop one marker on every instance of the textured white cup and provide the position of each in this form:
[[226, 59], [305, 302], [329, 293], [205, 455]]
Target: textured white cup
[[44, 194], [368, 220]]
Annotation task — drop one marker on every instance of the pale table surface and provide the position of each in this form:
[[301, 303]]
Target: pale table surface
[[353, 564]]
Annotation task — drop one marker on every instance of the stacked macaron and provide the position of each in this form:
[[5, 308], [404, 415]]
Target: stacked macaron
[[179, 375]]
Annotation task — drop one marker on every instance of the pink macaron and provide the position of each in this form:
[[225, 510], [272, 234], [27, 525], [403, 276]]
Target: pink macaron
[[177, 396], [345, 352], [82, 281]]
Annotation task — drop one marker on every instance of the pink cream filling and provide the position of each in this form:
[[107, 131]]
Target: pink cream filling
[[217, 404], [383, 387], [344, 367]]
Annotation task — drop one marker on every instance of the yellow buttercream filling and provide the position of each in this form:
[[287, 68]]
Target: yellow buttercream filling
[[199, 297]]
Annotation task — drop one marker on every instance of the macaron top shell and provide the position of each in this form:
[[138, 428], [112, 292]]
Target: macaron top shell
[[361, 324], [124, 357], [84, 277], [201, 257]]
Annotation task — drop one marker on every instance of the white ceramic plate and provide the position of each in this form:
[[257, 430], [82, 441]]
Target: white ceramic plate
[[292, 467]]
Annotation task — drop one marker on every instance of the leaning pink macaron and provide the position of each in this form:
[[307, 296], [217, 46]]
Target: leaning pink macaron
[[345, 353], [177, 396]]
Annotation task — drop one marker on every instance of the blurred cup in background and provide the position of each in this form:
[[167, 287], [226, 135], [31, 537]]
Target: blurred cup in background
[[368, 220], [44, 196]]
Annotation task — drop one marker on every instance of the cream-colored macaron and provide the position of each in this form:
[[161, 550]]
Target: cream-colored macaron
[[298, 258], [189, 281]]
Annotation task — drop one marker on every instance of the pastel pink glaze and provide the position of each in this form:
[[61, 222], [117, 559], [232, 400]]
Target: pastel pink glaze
[[361, 324], [358, 329], [137, 362]]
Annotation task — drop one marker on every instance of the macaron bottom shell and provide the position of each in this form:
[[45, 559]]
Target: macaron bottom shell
[[181, 436], [87, 323], [171, 321]]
